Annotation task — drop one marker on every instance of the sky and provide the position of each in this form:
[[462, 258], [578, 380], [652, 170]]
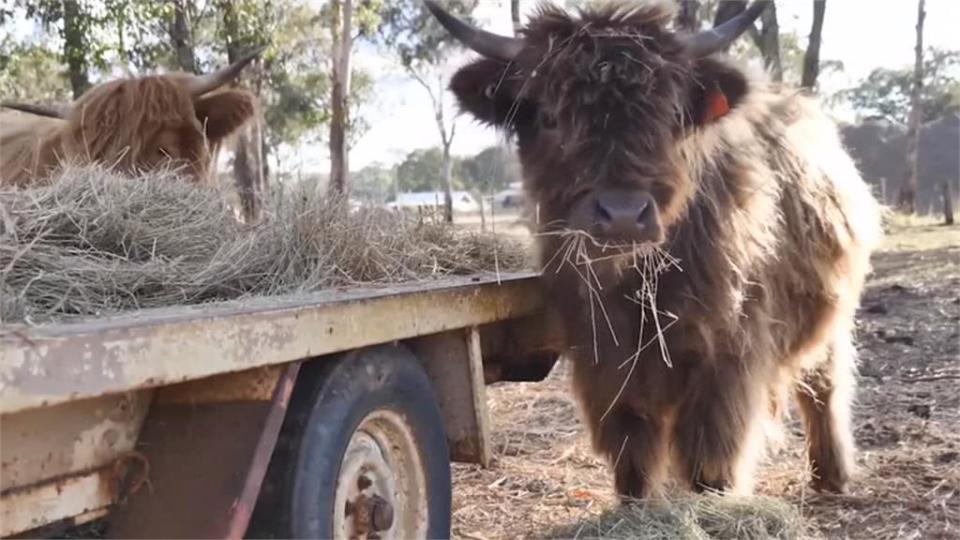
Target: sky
[[864, 34]]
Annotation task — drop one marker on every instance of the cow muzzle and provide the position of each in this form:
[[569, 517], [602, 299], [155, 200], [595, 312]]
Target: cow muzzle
[[619, 217]]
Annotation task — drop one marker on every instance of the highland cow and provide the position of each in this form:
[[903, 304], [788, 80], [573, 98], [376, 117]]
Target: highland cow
[[177, 120], [703, 235]]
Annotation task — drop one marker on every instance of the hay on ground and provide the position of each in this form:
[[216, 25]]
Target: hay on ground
[[701, 517], [94, 243]]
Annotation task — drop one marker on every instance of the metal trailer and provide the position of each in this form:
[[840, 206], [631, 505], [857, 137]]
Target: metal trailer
[[331, 414]]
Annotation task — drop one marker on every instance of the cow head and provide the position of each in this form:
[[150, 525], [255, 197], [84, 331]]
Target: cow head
[[177, 120], [599, 104]]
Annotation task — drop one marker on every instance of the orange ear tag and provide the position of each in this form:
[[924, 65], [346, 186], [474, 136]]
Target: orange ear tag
[[717, 106]]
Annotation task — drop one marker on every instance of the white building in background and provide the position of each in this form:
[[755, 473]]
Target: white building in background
[[463, 201], [512, 197]]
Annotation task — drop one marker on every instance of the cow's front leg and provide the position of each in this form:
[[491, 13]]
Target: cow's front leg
[[719, 433], [635, 448]]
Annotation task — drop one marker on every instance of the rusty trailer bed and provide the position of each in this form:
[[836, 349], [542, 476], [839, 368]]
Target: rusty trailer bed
[[75, 397]]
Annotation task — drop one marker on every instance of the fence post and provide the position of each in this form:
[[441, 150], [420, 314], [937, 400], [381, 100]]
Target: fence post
[[947, 203]]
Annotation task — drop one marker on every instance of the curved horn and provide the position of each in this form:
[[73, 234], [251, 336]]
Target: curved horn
[[202, 84], [39, 110], [486, 43], [710, 41]]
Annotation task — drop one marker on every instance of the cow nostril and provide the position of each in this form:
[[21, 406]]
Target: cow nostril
[[642, 213], [603, 215]]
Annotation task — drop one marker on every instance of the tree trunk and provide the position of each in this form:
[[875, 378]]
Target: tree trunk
[[811, 58], [75, 23], [770, 43], [947, 204], [515, 15], [181, 37], [688, 15], [908, 189], [247, 172], [342, 44], [447, 184]]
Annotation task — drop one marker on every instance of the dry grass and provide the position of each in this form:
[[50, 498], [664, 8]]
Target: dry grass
[[698, 518], [94, 243]]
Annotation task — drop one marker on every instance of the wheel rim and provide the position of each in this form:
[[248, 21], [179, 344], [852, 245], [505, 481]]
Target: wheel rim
[[381, 489]]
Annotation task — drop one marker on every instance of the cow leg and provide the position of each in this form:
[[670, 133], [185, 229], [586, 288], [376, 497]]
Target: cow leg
[[824, 396], [719, 433], [634, 446]]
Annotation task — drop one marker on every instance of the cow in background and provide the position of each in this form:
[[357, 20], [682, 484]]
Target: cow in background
[[174, 120]]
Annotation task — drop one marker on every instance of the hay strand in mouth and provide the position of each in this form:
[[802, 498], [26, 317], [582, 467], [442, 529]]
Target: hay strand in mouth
[[94, 243], [579, 252]]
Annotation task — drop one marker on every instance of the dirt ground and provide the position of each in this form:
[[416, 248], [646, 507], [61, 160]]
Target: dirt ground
[[546, 482]]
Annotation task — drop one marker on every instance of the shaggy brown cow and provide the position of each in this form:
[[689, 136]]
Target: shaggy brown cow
[[703, 234], [173, 120]]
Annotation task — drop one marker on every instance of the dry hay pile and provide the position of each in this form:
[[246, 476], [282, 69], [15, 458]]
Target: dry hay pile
[[93, 243], [700, 517]]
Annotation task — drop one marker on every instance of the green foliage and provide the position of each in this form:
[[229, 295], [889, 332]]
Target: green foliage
[[31, 73], [422, 170], [408, 28], [491, 170], [886, 92], [373, 183]]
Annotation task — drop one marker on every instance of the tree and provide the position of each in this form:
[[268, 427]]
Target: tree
[[887, 93], [342, 35], [75, 34], [423, 45], [766, 39], [242, 29], [422, 170], [373, 183], [493, 169], [181, 35], [811, 59], [688, 15], [31, 72], [515, 15], [908, 189], [74, 21], [769, 42]]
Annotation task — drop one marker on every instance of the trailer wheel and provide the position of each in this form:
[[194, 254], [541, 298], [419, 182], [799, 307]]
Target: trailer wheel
[[363, 453]]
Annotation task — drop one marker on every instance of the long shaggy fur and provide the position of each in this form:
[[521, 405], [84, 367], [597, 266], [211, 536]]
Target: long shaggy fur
[[682, 350], [128, 125]]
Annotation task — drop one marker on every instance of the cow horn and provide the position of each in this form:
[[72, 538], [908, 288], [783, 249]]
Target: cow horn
[[39, 110], [710, 41], [486, 43], [202, 84]]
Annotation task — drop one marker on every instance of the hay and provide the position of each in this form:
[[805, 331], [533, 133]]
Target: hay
[[699, 517], [93, 243]]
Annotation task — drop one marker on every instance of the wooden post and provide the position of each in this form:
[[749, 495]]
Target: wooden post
[[947, 204], [883, 189]]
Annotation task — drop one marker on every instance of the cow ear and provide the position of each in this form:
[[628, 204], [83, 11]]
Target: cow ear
[[223, 113], [717, 90], [488, 90]]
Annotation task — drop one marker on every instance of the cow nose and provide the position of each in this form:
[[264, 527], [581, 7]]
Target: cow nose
[[627, 215]]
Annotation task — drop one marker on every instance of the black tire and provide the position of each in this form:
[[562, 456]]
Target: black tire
[[331, 399]]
